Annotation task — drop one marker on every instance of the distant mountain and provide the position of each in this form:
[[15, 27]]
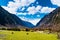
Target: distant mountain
[[10, 20], [50, 21]]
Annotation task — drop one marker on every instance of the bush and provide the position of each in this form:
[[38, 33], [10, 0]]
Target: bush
[[3, 28]]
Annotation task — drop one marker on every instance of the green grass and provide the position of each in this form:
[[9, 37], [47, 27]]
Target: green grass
[[22, 35]]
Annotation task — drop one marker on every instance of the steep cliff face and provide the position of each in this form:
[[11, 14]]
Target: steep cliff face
[[52, 20], [11, 20]]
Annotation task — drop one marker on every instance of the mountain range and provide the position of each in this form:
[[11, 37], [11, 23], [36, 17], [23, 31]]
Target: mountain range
[[50, 21]]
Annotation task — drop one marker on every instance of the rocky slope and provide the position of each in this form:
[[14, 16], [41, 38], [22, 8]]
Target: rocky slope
[[50, 21]]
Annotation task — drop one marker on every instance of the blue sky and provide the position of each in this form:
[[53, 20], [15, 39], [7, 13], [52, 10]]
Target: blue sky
[[30, 10]]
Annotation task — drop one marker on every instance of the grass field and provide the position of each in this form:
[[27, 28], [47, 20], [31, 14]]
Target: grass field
[[23, 35]]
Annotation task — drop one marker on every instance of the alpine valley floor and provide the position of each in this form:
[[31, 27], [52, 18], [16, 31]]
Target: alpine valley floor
[[23, 35]]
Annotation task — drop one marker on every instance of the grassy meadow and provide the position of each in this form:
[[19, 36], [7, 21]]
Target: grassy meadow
[[23, 35]]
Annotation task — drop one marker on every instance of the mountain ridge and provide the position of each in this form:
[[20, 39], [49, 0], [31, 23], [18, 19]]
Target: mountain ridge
[[8, 19], [50, 21]]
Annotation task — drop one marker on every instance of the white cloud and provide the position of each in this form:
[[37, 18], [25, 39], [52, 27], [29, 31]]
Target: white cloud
[[55, 2], [22, 8], [33, 21], [21, 13], [13, 6], [27, 2], [17, 1], [37, 3], [38, 8], [32, 10], [38, 15], [46, 10], [11, 10]]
